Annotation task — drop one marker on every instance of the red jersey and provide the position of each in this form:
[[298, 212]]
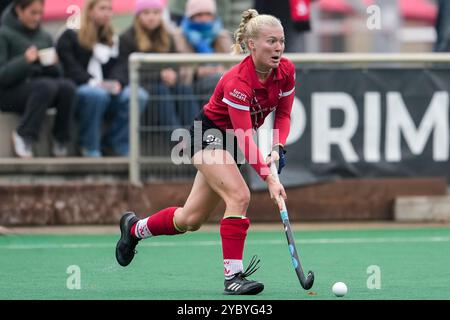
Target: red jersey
[[242, 101]]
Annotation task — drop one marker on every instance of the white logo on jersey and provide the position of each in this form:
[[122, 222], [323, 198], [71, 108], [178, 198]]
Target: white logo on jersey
[[238, 95]]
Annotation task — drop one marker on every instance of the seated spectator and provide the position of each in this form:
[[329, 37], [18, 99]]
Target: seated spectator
[[176, 9], [102, 103], [29, 84], [149, 34], [442, 27], [201, 31]]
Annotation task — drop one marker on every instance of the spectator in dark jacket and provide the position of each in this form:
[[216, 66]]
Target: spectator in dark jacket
[[442, 26], [88, 57], [174, 102], [29, 85], [294, 31]]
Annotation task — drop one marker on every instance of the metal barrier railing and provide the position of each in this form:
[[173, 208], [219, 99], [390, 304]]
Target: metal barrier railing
[[140, 61]]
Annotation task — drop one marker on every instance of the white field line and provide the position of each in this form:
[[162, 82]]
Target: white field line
[[149, 243]]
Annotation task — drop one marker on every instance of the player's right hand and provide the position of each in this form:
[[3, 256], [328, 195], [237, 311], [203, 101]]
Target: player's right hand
[[31, 54], [169, 76]]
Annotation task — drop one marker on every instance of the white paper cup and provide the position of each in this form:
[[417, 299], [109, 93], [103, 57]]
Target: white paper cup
[[47, 56]]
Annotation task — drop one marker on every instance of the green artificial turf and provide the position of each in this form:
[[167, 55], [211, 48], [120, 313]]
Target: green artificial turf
[[413, 264]]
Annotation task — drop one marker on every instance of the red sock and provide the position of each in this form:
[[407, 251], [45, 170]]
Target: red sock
[[233, 233], [160, 223]]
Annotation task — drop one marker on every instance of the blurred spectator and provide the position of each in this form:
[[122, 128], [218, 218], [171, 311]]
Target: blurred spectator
[[149, 34], [443, 27], [201, 31], [31, 82], [178, 7], [294, 26], [88, 57]]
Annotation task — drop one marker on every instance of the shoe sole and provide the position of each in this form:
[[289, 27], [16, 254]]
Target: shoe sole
[[124, 234], [257, 288]]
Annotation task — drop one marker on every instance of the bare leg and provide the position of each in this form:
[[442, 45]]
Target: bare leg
[[215, 180], [224, 177], [201, 202]]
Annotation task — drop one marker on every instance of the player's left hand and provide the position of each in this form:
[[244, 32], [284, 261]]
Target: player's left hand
[[278, 156]]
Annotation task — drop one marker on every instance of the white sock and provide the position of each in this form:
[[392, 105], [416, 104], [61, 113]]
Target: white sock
[[231, 267], [142, 231]]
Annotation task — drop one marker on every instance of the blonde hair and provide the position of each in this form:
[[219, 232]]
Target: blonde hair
[[157, 40], [89, 34], [249, 28]]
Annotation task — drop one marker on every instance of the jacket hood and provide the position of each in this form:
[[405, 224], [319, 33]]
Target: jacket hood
[[10, 19]]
